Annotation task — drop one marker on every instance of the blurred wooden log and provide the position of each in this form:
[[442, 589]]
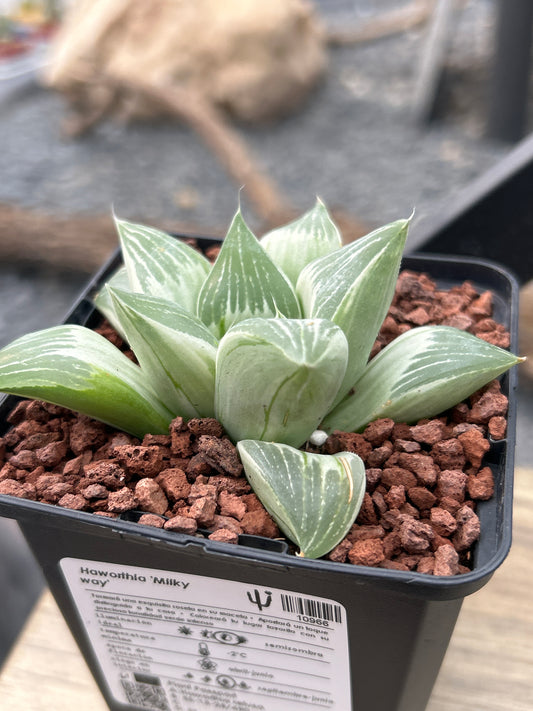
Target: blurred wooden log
[[83, 242], [80, 243], [67, 242]]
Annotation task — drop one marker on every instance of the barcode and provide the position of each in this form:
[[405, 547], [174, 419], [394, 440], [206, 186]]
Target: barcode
[[146, 691], [311, 608]]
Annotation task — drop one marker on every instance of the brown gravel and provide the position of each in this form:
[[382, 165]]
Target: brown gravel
[[423, 480]]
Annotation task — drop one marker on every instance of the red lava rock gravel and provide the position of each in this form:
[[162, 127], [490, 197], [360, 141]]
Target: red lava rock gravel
[[423, 480]]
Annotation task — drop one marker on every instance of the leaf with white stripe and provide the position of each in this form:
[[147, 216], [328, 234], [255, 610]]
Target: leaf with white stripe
[[77, 368], [422, 373], [162, 266], [293, 246], [277, 378], [243, 283], [102, 300], [353, 287], [174, 349], [314, 498]]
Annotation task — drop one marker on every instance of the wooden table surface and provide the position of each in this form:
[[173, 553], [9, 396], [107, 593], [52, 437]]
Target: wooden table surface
[[488, 667]]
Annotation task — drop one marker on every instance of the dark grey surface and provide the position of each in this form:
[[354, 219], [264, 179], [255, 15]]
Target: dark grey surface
[[31, 299], [354, 143]]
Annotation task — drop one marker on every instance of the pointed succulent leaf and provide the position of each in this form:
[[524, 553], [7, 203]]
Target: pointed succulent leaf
[[276, 378], [77, 368], [160, 265], [353, 287], [244, 283], [102, 299], [174, 349], [314, 498], [293, 246], [420, 374]]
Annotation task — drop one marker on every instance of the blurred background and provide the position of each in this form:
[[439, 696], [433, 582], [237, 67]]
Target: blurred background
[[162, 111]]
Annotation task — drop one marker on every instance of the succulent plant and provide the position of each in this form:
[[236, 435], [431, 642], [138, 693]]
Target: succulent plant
[[273, 340]]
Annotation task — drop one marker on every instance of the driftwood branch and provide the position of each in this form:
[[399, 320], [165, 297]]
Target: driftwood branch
[[194, 109], [209, 124], [386, 25], [83, 121], [231, 150], [224, 141]]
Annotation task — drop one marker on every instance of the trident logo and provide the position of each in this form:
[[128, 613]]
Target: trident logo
[[256, 599]]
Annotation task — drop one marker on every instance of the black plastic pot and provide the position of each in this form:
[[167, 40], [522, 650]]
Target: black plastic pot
[[172, 622]]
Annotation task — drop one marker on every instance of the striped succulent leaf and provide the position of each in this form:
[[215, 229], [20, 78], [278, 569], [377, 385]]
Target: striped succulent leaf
[[103, 302], [420, 374], [277, 378], [244, 283], [175, 350], [293, 246], [353, 287], [77, 368], [314, 498], [159, 265]]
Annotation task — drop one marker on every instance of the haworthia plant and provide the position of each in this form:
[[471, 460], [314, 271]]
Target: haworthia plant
[[314, 498], [102, 299], [159, 266], [244, 283], [79, 369], [174, 349], [421, 373], [302, 363], [295, 245], [274, 340], [353, 287]]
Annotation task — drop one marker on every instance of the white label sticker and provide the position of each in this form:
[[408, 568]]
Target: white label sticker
[[174, 642]]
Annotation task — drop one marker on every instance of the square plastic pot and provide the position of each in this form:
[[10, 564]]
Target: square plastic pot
[[178, 623]]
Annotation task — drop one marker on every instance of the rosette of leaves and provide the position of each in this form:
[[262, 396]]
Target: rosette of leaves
[[273, 340]]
